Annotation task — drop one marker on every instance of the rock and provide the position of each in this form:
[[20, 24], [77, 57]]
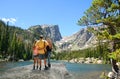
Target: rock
[[72, 61], [118, 63], [99, 62], [57, 71], [111, 75], [81, 61], [20, 60]]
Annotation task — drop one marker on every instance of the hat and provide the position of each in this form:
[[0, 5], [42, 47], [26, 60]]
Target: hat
[[41, 36]]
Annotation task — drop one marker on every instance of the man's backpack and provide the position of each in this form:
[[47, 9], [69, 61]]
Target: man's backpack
[[48, 48], [46, 52]]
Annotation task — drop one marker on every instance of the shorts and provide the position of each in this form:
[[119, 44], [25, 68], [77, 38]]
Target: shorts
[[41, 56], [35, 56]]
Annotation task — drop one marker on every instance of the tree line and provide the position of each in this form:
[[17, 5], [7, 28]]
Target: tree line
[[14, 42], [99, 51]]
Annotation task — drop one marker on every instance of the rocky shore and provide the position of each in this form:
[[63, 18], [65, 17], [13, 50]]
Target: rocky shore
[[57, 71], [87, 60]]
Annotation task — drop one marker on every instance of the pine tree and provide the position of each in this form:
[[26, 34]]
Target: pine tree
[[107, 13]]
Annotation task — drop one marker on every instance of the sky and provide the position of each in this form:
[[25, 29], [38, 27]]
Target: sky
[[26, 13]]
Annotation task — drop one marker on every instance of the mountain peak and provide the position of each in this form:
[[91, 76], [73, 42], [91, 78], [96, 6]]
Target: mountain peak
[[51, 31]]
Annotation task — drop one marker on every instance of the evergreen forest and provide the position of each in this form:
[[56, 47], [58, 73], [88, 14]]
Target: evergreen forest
[[14, 42]]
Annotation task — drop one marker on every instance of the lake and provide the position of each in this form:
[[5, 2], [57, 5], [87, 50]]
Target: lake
[[86, 71], [78, 71]]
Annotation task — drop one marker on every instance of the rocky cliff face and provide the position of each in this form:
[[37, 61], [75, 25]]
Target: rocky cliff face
[[80, 40], [51, 31]]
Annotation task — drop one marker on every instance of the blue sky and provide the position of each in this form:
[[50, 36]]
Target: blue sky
[[26, 13]]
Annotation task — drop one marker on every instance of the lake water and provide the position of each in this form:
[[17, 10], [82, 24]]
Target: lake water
[[78, 71], [87, 71]]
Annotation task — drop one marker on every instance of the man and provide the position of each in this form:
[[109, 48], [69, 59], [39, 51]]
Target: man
[[49, 49], [41, 50]]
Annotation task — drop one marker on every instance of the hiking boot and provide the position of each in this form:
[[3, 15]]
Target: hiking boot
[[37, 67], [40, 68], [49, 65], [46, 68], [33, 67]]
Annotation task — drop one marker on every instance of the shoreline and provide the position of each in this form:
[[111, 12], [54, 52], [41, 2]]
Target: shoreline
[[81, 60]]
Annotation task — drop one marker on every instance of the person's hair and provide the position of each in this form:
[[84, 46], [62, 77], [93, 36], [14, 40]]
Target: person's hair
[[34, 42], [41, 37]]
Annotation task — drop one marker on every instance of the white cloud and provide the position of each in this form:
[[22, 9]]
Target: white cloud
[[11, 20]]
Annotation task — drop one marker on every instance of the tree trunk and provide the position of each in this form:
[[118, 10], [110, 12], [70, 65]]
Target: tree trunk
[[115, 67]]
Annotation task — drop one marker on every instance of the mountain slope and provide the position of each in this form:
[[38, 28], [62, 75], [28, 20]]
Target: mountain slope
[[80, 40]]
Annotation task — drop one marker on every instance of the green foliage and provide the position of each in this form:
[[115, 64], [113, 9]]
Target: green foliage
[[104, 75], [101, 11], [15, 42], [24, 56], [115, 55], [90, 52], [116, 36]]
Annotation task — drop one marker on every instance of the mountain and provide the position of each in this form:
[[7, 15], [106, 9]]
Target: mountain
[[51, 31], [80, 40]]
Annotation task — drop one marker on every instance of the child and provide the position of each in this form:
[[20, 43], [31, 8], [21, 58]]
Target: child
[[35, 55]]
